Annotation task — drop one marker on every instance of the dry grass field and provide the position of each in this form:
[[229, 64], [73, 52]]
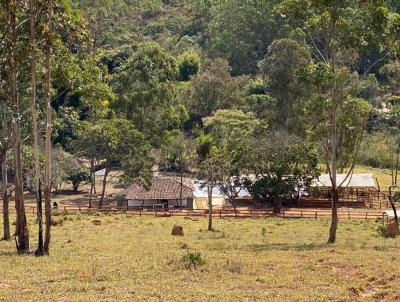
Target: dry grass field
[[130, 258]]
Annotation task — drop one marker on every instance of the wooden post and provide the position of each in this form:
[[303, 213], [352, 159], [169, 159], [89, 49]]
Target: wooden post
[[283, 213], [348, 213], [366, 215], [220, 214], [301, 214]]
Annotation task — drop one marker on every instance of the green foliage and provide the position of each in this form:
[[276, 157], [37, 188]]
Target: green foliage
[[189, 64], [192, 260], [78, 175], [242, 31], [145, 89], [213, 88], [120, 144], [286, 58], [283, 167]]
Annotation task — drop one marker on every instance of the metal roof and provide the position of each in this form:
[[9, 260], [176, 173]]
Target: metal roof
[[201, 191], [365, 180]]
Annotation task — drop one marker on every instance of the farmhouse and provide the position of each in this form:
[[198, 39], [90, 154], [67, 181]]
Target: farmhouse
[[163, 193], [358, 190]]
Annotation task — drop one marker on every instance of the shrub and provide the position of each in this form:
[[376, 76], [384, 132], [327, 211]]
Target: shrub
[[193, 260], [189, 65]]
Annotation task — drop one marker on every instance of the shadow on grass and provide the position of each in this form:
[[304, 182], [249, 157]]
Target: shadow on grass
[[289, 247]]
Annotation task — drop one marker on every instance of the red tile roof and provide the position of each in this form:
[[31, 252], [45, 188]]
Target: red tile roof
[[161, 188]]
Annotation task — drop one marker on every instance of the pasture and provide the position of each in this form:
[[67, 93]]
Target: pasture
[[131, 258]]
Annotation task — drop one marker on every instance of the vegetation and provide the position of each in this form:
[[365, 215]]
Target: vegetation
[[289, 262], [268, 93]]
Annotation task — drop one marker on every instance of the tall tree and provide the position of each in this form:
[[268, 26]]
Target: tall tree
[[37, 177], [178, 154], [47, 169], [285, 58], [337, 32], [232, 132], [12, 9], [5, 146]]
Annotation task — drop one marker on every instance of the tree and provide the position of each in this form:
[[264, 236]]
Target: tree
[[208, 174], [121, 146], [232, 132], [5, 145], [38, 192], [178, 154], [242, 31], [285, 58], [188, 64], [337, 32], [76, 176], [282, 168], [145, 88], [48, 127], [207, 158], [12, 10], [213, 88]]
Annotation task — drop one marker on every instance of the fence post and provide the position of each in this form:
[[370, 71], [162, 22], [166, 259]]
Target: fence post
[[140, 212], [283, 213], [80, 209], [348, 213], [301, 214], [366, 215], [316, 214], [220, 214], [236, 214]]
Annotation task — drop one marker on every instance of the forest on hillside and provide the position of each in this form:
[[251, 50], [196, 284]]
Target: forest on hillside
[[220, 89]]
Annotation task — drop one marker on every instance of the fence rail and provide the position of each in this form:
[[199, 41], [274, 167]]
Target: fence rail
[[221, 213]]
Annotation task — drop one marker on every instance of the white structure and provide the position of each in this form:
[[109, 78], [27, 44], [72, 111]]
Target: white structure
[[365, 180]]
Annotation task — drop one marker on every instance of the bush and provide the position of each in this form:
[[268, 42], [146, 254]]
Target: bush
[[189, 65], [76, 176], [193, 260]]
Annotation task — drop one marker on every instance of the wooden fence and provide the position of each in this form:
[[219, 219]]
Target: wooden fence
[[355, 214]]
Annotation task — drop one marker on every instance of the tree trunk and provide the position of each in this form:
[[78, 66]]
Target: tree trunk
[[6, 215], [277, 205], [210, 207], [103, 190], [22, 234], [334, 145], [47, 168], [39, 251], [181, 189], [392, 201], [335, 190], [92, 180], [335, 218]]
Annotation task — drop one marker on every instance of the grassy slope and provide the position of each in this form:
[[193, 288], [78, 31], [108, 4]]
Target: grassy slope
[[136, 259]]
